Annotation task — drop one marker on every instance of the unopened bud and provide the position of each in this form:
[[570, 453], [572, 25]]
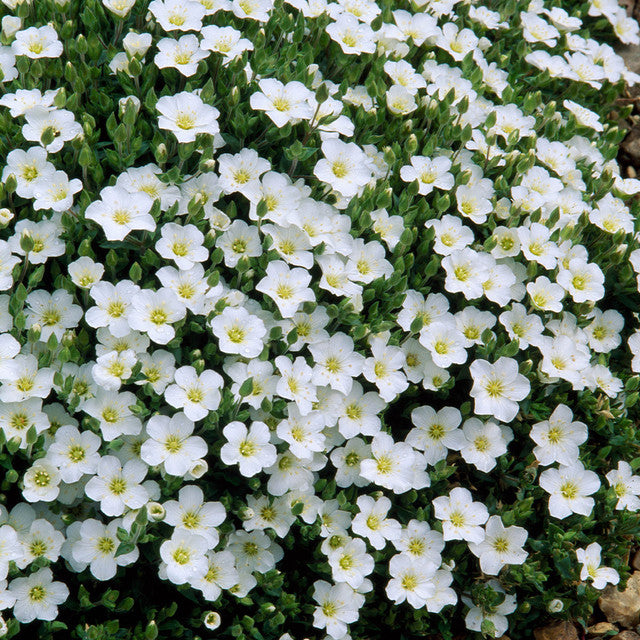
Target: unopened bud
[[199, 468], [161, 153], [124, 102], [6, 215], [155, 511], [246, 513], [11, 25], [555, 606], [212, 620], [27, 242], [68, 338]]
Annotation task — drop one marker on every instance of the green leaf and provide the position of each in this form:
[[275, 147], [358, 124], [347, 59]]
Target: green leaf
[[246, 388]]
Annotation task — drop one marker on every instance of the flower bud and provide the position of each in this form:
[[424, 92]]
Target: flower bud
[[212, 620], [6, 215], [155, 511], [555, 606], [246, 513], [68, 338], [10, 184], [127, 100], [199, 468], [161, 153], [10, 25], [26, 242], [136, 44]]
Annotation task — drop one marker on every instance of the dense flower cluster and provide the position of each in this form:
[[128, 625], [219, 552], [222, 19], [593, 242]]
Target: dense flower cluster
[[265, 301]]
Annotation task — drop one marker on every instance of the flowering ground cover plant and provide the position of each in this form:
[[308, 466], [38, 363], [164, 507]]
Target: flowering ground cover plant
[[319, 319]]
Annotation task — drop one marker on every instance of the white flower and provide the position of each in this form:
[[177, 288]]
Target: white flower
[[461, 517], [559, 437], [457, 43], [97, 547], [28, 167], [303, 433], [37, 596], [119, 212], [347, 461], [367, 262], [60, 122], [283, 103], [239, 241], [195, 394], [84, 272], [181, 244], [421, 543], [485, 442], [241, 172], [178, 15], [55, 191], [467, 271], [345, 167], [239, 331], [220, 573], [112, 368], [626, 486], [191, 513], [112, 410], [186, 115], [436, 432], [498, 615], [497, 388], [359, 412], [521, 326], [336, 363], [372, 522], [21, 379], [351, 563], [337, 606], [226, 41], [295, 383], [248, 448], [41, 482], [184, 555], [120, 8], [113, 303], [145, 180], [37, 42], [545, 295], [445, 343], [118, 487], [154, 311], [584, 281], [383, 368], [390, 464], [53, 312], [569, 487], [253, 9], [171, 444], [411, 580], [253, 551], [430, 173], [75, 453], [591, 568], [10, 549], [501, 546], [288, 288], [182, 54], [352, 36]]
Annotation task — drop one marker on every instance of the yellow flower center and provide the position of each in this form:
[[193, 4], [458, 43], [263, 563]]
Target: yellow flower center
[[118, 486]]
